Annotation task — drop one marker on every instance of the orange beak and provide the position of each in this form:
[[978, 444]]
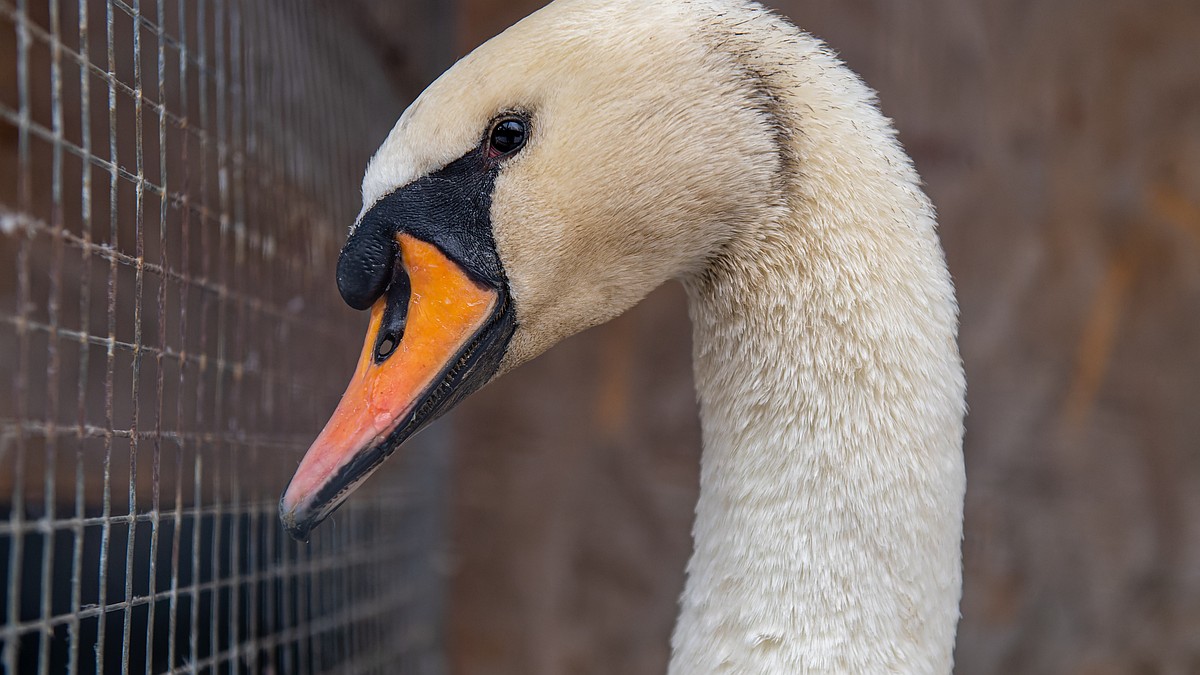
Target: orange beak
[[447, 342]]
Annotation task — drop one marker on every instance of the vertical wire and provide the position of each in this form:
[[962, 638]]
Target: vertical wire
[[110, 355], [218, 420], [206, 271], [327, 138], [139, 282], [276, 554], [24, 197], [292, 616], [308, 651], [52, 306], [372, 585], [184, 291], [345, 539], [197, 485], [245, 23], [328, 653], [221, 78], [85, 295], [164, 261], [237, 140], [311, 650], [273, 597], [288, 616]]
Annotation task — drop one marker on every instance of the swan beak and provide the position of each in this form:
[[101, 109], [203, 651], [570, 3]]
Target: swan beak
[[435, 335]]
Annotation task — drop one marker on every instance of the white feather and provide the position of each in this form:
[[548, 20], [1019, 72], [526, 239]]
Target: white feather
[[713, 142]]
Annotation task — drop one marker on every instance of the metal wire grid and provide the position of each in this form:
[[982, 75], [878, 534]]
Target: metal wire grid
[[175, 177]]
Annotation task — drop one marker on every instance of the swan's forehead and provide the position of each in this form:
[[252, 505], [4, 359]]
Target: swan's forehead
[[516, 70], [552, 63]]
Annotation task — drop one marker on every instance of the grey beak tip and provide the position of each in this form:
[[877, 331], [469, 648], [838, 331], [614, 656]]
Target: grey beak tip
[[297, 527]]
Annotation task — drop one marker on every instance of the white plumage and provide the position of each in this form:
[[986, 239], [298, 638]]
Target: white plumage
[[712, 142]]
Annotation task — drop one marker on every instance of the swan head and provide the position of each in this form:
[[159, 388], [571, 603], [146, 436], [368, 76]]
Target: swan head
[[542, 185]]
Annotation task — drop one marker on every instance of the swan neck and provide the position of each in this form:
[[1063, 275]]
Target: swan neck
[[828, 527]]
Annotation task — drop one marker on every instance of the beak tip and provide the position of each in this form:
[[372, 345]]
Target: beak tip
[[298, 526]]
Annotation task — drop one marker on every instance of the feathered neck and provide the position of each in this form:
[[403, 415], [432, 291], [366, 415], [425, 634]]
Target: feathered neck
[[827, 533]]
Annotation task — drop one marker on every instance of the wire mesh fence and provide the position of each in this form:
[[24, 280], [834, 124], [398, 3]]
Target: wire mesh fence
[[175, 180]]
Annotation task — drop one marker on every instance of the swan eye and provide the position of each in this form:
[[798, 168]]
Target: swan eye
[[507, 137]]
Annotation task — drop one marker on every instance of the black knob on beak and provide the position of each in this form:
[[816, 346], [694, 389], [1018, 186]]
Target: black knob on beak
[[365, 265]]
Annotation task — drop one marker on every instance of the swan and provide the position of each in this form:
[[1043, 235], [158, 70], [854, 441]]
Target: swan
[[599, 148]]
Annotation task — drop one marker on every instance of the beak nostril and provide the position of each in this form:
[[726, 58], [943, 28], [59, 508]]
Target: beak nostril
[[395, 314], [386, 346]]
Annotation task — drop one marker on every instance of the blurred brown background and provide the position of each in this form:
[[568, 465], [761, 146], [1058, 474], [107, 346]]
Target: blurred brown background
[[1061, 143]]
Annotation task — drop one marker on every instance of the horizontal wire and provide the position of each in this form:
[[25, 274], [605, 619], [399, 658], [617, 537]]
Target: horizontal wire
[[324, 624], [8, 10], [20, 221], [47, 429], [371, 554], [44, 133]]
